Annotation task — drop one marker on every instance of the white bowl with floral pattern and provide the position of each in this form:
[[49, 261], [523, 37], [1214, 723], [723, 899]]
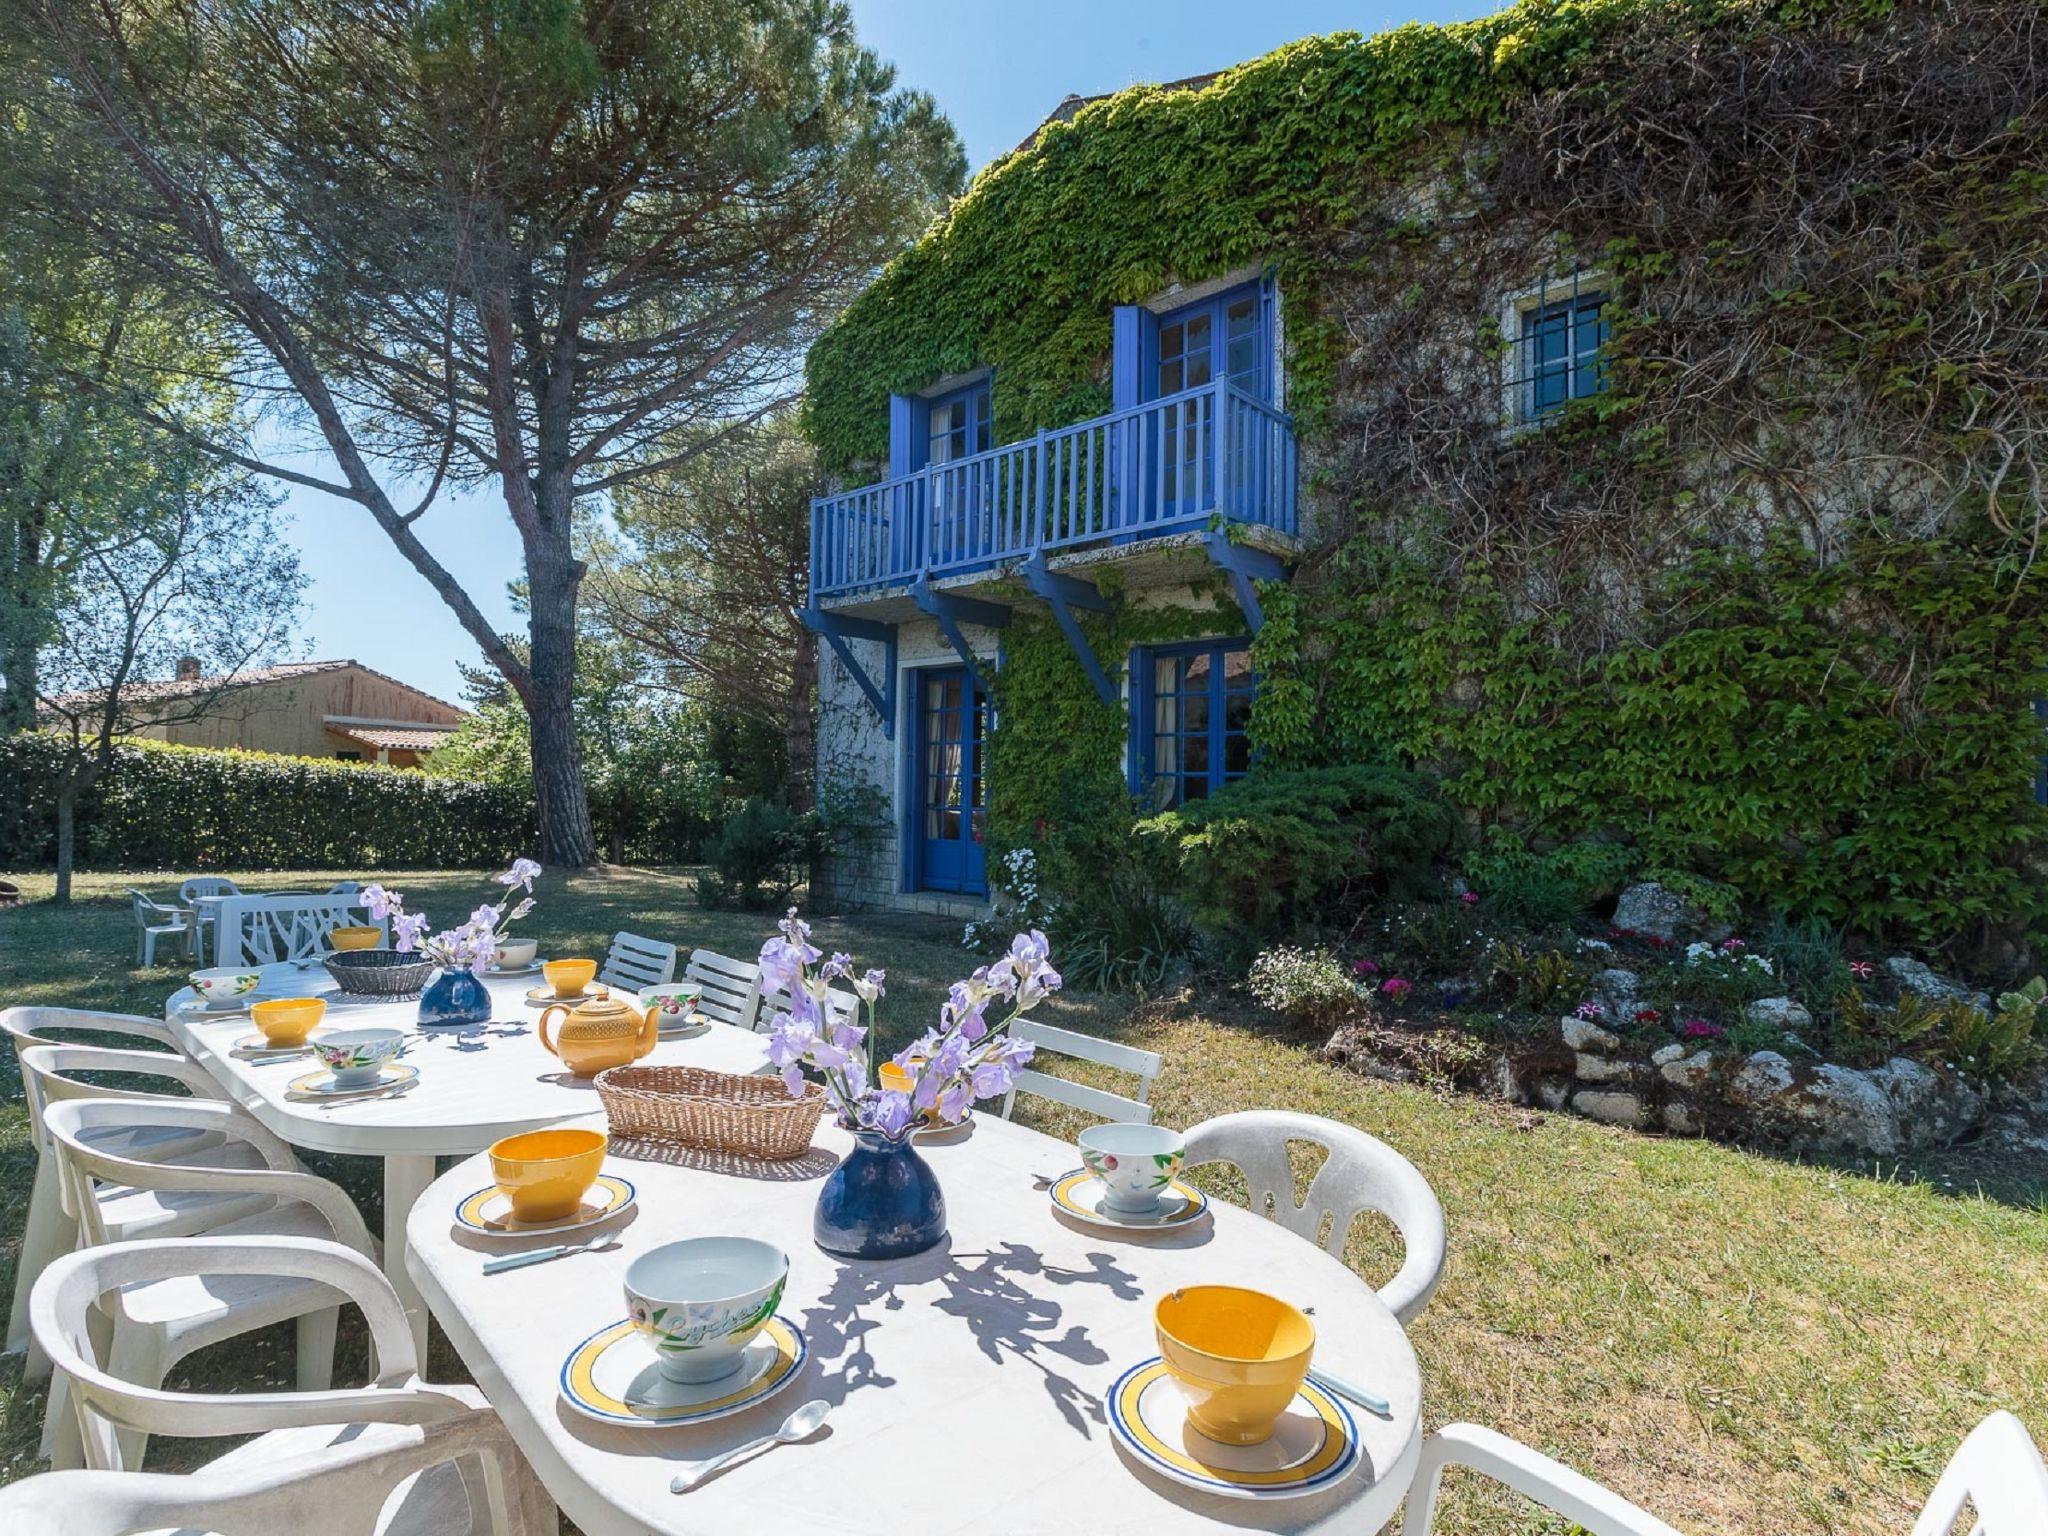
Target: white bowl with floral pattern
[[700, 1301], [677, 1000], [224, 983], [356, 1056], [1135, 1163]]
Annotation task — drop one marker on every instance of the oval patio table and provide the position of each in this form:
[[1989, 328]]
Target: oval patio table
[[967, 1384], [477, 1083]]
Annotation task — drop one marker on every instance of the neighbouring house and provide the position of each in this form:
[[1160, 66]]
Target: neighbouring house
[[1482, 398], [338, 709]]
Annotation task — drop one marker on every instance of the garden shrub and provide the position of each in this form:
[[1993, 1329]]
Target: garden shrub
[[170, 807], [1124, 930], [1288, 851], [1544, 981], [1309, 986], [762, 854]]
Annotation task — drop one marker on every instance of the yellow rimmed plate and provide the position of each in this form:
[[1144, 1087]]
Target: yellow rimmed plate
[[259, 1048], [544, 995], [1079, 1194], [489, 1210], [612, 1377], [688, 1027], [1313, 1445], [392, 1077]]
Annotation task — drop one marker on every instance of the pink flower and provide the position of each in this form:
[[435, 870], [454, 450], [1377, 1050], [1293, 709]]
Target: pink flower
[[1364, 968], [1589, 1011], [1862, 970], [1701, 1029], [1397, 987], [1470, 898], [1732, 946]]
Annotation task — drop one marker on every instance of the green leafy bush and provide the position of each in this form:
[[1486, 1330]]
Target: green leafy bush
[[761, 855], [166, 807], [1541, 981], [1284, 852], [1127, 932]]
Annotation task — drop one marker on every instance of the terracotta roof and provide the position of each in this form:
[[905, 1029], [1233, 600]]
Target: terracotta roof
[[1066, 111], [284, 671], [422, 738]]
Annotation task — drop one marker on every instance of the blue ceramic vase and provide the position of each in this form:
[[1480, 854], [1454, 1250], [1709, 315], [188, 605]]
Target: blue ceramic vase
[[455, 997], [882, 1202]]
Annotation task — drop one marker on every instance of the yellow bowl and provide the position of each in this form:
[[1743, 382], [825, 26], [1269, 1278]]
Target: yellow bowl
[[353, 937], [546, 1173], [286, 1021], [569, 977], [1239, 1357]]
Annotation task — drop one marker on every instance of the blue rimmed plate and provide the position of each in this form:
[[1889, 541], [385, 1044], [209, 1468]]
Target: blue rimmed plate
[[489, 1210], [1079, 1194], [612, 1377], [1314, 1443]]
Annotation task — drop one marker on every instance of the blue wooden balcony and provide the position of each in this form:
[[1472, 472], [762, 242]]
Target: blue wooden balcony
[[1168, 466]]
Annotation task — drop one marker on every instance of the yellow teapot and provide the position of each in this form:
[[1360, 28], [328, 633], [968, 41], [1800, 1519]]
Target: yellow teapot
[[600, 1032]]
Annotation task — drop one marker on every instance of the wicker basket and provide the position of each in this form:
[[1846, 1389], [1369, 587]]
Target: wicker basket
[[378, 972], [752, 1116]]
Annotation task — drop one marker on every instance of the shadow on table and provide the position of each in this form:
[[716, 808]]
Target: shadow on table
[[814, 1164]]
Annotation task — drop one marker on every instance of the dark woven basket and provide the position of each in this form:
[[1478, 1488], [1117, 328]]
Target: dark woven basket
[[379, 972]]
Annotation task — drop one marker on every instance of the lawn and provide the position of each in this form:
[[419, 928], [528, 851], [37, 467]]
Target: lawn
[[1742, 1343]]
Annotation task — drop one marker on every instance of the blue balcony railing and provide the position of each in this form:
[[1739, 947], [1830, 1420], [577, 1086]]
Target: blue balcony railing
[[1162, 467]]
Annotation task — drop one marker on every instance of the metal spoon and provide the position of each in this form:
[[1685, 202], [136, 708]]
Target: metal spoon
[[800, 1425]]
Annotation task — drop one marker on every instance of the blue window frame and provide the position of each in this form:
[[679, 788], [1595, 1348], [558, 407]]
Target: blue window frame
[[1559, 348], [1189, 709], [958, 424]]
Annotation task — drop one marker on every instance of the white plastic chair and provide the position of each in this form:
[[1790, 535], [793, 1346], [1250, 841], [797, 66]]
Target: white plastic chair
[[263, 930], [153, 921], [155, 1326], [50, 1230], [323, 1463], [1361, 1173], [1051, 1040], [1997, 1472], [202, 918], [634, 962], [731, 989]]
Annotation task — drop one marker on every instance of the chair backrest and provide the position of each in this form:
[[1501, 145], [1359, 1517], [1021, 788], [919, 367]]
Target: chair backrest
[[841, 1005], [344, 888], [731, 988], [262, 930], [68, 1291], [48, 1068], [1051, 1040], [208, 885], [85, 1159], [33, 1025], [634, 962], [1360, 1173], [1997, 1472]]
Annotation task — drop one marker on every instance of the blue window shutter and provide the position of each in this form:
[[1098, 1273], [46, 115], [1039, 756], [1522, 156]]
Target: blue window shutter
[[1269, 327], [1126, 361], [906, 439]]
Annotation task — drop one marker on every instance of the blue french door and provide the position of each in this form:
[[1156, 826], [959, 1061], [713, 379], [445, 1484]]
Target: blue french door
[[960, 426], [952, 805], [1224, 335]]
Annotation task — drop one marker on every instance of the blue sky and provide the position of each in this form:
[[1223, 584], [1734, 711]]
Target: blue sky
[[996, 69]]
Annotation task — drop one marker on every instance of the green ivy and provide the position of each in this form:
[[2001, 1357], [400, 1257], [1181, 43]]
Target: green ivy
[[1851, 739]]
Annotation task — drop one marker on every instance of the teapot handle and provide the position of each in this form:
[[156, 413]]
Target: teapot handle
[[650, 1031], [547, 1014]]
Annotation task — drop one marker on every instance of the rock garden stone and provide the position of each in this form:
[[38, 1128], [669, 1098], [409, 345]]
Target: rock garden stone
[[1648, 909], [1779, 1012], [1666, 1053], [1616, 990], [1607, 1105], [1916, 976], [1762, 1078], [1933, 1109], [1684, 1071], [1679, 1119], [1601, 1069], [1585, 1035], [1552, 1092]]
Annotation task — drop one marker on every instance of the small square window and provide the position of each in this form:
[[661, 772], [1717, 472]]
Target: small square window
[[1555, 334], [1189, 710]]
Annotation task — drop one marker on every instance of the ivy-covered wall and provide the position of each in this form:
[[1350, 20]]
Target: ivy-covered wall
[[1768, 610]]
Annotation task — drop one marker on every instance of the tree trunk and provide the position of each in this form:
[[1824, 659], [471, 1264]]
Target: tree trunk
[[802, 724], [567, 839], [67, 828]]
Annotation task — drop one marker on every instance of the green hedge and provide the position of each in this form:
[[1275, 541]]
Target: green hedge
[[164, 807]]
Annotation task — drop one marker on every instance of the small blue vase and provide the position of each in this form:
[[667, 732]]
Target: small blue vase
[[455, 997], [882, 1202]]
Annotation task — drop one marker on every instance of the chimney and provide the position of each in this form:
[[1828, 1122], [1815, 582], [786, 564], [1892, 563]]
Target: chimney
[[188, 669]]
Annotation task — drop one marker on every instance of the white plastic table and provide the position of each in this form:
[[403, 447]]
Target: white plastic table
[[967, 1384], [476, 1084]]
